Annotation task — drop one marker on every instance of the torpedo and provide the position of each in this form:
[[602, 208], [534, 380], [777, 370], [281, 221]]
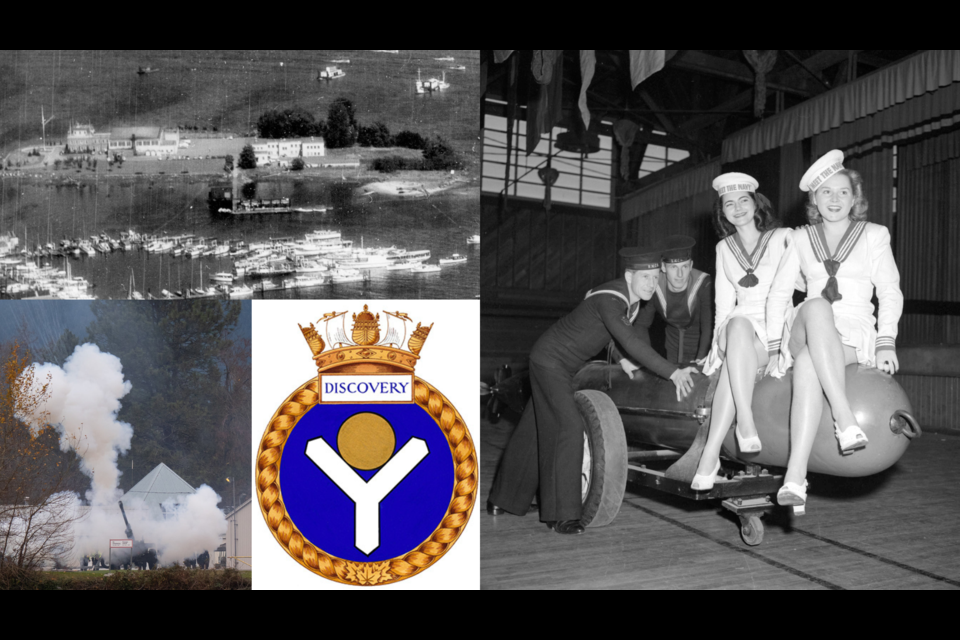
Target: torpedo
[[651, 415]]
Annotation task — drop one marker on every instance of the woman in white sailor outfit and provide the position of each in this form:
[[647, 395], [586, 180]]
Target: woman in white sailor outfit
[[748, 257], [842, 258]]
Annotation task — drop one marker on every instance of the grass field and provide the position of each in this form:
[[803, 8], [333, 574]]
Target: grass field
[[171, 578]]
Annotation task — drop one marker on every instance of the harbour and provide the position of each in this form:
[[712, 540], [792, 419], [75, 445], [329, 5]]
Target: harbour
[[146, 237], [121, 207]]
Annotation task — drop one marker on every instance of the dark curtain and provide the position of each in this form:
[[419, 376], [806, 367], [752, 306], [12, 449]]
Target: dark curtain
[[928, 227]]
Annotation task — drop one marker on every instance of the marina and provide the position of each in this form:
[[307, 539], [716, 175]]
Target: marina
[[156, 241], [140, 221]]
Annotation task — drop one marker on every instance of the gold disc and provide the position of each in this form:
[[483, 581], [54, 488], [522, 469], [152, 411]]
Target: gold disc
[[366, 441]]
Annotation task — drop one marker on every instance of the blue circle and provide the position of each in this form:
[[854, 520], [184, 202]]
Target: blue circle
[[325, 515]]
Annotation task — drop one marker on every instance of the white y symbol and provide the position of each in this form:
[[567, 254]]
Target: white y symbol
[[367, 495]]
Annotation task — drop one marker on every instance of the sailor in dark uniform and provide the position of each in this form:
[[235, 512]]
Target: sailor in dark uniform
[[683, 299], [546, 449]]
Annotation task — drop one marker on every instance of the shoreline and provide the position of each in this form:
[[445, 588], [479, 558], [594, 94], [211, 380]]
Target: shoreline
[[418, 185], [407, 188]]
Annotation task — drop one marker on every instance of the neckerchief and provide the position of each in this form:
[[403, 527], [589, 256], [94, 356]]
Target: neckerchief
[[818, 241], [696, 280], [748, 262]]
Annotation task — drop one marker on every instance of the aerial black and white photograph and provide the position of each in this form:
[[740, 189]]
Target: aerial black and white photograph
[[720, 319], [174, 174]]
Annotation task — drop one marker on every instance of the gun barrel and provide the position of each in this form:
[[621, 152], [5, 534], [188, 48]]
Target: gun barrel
[[129, 531]]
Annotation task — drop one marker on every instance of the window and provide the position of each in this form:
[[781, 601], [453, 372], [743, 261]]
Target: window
[[659, 157], [583, 180]]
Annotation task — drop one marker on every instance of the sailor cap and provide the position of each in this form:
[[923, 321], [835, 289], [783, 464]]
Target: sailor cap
[[822, 170], [677, 248], [640, 258], [730, 182]]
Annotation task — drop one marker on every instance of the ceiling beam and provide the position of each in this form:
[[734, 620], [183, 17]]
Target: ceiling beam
[[706, 64], [816, 63], [658, 112], [873, 60], [793, 75]]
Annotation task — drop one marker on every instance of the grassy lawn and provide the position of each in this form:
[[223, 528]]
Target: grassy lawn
[[171, 578]]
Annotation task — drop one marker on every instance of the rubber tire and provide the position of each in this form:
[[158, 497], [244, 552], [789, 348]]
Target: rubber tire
[[608, 444], [751, 529]]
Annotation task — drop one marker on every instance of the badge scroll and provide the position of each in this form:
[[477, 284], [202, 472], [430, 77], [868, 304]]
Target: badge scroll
[[363, 349]]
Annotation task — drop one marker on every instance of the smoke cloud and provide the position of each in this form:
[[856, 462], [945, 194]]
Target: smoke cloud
[[83, 402], [84, 398]]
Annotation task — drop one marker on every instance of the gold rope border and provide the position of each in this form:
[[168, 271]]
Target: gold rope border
[[345, 571]]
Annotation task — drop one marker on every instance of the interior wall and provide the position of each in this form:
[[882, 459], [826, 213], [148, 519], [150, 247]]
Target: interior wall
[[536, 266]]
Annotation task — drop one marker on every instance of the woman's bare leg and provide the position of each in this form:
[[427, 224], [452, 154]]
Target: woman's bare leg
[[721, 417], [818, 333], [734, 394], [805, 411], [744, 355]]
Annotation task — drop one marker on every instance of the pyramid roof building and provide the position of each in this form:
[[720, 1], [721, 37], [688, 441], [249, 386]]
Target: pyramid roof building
[[157, 486]]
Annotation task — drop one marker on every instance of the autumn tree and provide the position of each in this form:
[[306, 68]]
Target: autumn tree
[[37, 512]]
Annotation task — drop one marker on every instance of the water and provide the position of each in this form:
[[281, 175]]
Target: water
[[44, 213], [229, 89]]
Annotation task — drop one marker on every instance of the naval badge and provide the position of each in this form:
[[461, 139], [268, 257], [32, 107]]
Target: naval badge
[[366, 474]]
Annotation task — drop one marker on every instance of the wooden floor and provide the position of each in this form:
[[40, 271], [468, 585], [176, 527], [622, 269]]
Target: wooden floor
[[897, 530]]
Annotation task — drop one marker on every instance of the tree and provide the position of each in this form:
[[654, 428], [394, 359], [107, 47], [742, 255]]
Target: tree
[[36, 511], [410, 140], [439, 155], [190, 401], [376, 135], [228, 162], [57, 350], [248, 159], [297, 164], [341, 124], [289, 123]]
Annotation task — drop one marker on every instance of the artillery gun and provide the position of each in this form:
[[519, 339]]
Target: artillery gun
[[144, 556]]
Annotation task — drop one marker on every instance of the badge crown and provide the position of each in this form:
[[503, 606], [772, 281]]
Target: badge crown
[[366, 346]]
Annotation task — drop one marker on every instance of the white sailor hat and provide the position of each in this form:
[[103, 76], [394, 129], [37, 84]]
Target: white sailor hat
[[730, 182], [822, 170]]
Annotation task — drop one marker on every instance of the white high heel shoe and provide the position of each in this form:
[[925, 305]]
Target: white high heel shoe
[[705, 482], [747, 445], [851, 438], [793, 495]]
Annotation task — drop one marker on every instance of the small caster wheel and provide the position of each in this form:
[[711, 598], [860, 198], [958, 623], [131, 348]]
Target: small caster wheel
[[493, 410], [751, 529]]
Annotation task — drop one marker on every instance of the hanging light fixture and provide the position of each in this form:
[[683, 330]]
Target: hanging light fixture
[[583, 142], [548, 175], [577, 139]]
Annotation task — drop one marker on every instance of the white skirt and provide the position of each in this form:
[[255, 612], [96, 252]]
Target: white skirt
[[855, 331], [718, 349]]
